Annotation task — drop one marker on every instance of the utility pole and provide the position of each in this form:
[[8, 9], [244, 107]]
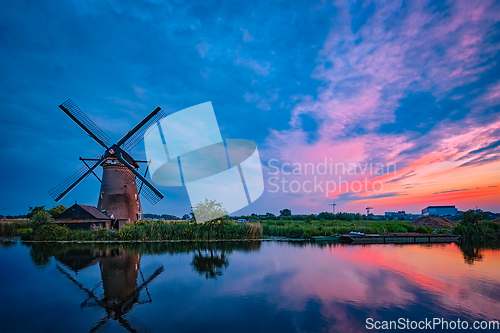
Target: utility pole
[[333, 206]]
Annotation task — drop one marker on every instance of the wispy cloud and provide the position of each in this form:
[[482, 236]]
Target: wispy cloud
[[411, 86], [415, 84]]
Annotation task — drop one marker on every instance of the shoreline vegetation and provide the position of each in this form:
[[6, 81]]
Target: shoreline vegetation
[[471, 228]]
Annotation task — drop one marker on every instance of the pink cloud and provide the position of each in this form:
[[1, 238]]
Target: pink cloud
[[375, 68]]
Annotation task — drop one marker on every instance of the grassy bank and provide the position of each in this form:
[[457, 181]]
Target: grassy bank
[[160, 231], [14, 228], [308, 228], [472, 228], [152, 231]]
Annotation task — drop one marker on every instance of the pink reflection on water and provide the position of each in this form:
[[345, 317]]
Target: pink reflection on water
[[371, 278]]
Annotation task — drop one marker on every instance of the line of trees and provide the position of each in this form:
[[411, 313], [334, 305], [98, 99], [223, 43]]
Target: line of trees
[[286, 214], [54, 211], [160, 217]]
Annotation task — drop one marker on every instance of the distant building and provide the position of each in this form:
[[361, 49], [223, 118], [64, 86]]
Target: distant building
[[387, 214], [439, 210]]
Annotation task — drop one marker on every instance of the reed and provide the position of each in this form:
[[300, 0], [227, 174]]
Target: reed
[[151, 231]]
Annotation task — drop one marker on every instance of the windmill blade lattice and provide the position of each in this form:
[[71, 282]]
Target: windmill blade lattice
[[85, 123], [136, 135], [114, 156], [75, 178]]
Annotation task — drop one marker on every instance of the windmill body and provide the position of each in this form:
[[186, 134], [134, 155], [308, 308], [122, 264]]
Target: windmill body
[[119, 196], [121, 182]]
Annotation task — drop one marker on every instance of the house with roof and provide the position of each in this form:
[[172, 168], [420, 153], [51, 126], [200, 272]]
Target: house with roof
[[88, 218]]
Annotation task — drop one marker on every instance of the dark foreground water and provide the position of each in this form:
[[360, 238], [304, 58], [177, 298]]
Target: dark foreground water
[[241, 286]]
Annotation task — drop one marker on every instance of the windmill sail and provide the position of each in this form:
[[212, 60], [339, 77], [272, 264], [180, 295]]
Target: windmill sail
[[116, 197], [66, 186], [136, 135], [85, 123]]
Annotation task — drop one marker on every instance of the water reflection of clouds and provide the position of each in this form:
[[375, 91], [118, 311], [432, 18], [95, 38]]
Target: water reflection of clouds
[[272, 286], [375, 281]]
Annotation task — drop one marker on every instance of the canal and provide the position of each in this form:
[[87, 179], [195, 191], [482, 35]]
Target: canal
[[241, 286]]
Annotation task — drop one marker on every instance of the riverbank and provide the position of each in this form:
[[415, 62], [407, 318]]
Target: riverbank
[[174, 231], [143, 232], [155, 231], [307, 229]]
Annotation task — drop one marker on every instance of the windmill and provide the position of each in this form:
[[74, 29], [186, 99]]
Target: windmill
[[368, 210], [119, 194]]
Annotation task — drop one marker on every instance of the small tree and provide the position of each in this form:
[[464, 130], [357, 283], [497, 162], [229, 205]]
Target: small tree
[[285, 212], [39, 218], [34, 210], [209, 211], [471, 219], [57, 210], [270, 216], [326, 216]]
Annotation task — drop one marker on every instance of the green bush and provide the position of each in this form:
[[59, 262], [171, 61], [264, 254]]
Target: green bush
[[400, 229], [50, 232], [410, 228], [39, 219], [473, 229], [421, 230]]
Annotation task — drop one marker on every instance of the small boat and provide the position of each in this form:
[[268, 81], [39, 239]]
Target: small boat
[[331, 238]]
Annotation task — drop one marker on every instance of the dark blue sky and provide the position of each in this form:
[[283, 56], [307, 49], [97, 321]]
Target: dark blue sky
[[293, 76]]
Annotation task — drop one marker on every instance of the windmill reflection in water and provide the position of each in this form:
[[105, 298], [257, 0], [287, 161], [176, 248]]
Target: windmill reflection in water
[[119, 274]]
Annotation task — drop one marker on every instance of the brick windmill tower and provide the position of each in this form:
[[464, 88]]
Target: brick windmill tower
[[121, 182]]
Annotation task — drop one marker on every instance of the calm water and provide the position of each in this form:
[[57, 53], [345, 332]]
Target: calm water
[[241, 286]]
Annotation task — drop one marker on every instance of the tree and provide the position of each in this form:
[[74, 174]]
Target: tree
[[209, 211], [169, 217], [186, 217], [285, 212], [471, 219], [270, 216], [57, 210], [326, 216], [40, 218], [34, 210]]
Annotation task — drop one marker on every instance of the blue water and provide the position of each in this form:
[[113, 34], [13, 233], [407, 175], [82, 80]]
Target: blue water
[[241, 286]]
